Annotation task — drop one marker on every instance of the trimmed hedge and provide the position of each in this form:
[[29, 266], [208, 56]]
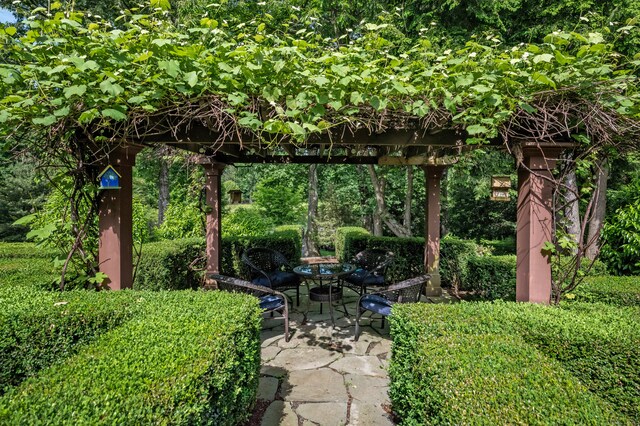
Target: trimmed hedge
[[492, 277], [165, 265], [340, 240], [500, 247], [454, 257], [39, 328], [24, 250], [482, 363], [620, 291], [179, 264], [191, 358], [27, 272]]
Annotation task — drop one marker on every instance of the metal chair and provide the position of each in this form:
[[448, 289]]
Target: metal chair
[[407, 291], [270, 300], [371, 267], [270, 268]]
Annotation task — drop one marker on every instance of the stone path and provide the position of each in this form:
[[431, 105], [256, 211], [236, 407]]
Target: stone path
[[322, 376]]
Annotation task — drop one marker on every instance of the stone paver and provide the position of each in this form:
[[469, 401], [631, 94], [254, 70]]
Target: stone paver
[[267, 388], [324, 413], [322, 385], [304, 358], [364, 365], [368, 388], [322, 376], [369, 415], [280, 413]]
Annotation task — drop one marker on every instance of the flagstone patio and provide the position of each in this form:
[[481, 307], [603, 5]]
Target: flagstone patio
[[322, 376]]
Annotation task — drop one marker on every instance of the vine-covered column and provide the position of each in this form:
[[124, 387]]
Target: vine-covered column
[[534, 223], [433, 179], [115, 250], [213, 199]]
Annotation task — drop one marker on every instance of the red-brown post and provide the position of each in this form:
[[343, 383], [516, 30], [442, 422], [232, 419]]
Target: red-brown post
[[115, 250], [213, 173], [433, 178], [534, 225]]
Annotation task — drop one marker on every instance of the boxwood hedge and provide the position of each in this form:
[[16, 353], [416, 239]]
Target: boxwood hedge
[[38, 328], [191, 358], [620, 291], [179, 264], [487, 363]]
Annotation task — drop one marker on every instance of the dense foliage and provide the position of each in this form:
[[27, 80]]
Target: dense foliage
[[189, 358], [504, 355]]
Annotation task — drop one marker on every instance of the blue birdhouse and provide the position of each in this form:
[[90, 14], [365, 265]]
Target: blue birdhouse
[[109, 178]]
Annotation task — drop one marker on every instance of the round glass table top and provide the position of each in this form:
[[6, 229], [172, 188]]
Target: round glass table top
[[324, 270]]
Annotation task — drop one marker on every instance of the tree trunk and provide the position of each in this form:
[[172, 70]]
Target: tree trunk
[[600, 206], [572, 207], [407, 200], [381, 209], [163, 186], [309, 246]]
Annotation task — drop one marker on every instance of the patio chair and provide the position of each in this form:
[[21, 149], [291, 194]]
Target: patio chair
[[407, 291], [371, 267], [270, 268], [270, 300]]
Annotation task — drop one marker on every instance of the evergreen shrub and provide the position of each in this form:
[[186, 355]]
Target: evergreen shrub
[[180, 264], [189, 358], [454, 257], [500, 247], [340, 240], [38, 328], [492, 277], [482, 363], [620, 291]]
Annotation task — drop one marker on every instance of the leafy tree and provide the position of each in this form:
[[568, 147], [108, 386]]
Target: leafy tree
[[21, 194], [279, 201], [245, 221]]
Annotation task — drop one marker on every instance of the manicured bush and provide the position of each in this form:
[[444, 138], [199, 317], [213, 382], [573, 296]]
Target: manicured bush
[[191, 358], [500, 247], [474, 363], [24, 250], [37, 273], [454, 256], [599, 344], [620, 291], [285, 229], [286, 242], [340, 238], [492, 277], [38, 328], [169, 265]]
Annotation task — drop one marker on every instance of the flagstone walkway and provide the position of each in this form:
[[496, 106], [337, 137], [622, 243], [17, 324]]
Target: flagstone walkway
[[322, 376]]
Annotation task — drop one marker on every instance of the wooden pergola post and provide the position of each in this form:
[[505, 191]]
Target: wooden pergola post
[[534, 223], [115, 222], [433, 179], [213, 199]]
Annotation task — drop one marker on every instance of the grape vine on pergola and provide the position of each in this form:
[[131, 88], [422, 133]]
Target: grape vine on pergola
[[86, 93]]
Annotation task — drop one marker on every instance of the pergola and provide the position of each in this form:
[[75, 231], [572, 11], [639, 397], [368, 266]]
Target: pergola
[[431, 150]]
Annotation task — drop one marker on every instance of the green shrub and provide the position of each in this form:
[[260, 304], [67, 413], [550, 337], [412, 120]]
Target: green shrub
[[454, 255], [191, 358], [38, 328], [37, 273], [500, 247], [169, 265], [492, 277], [286, 242], [245, 221], [620, 291], [474, 363], [182, 221], [599, 344], [621, 240], [25, 250], [340, 238]]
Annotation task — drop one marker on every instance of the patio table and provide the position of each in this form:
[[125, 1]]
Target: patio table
[[326, 275]]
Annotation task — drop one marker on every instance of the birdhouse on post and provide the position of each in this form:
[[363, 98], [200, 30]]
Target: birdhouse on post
[[235, 196], [109, 178], [500, 186]]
